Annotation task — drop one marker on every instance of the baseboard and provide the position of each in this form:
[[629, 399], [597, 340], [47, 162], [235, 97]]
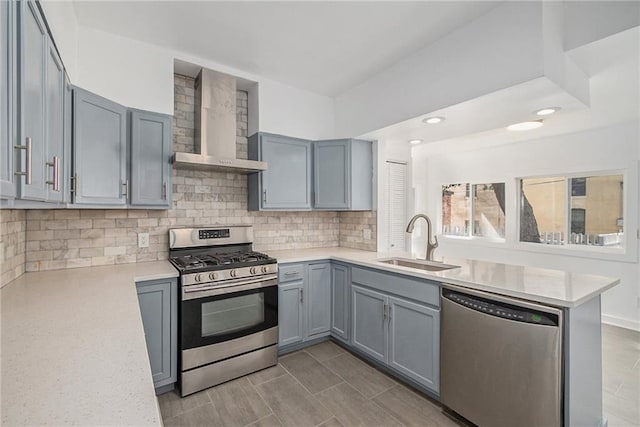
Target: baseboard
[[621, 322]]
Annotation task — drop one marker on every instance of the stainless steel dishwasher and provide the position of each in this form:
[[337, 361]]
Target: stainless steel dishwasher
[[501, 359]]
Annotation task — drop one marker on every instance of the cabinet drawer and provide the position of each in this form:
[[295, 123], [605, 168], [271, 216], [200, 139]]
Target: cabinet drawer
[[289, 273], [415, 289]]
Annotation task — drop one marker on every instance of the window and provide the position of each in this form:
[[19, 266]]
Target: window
[[485, 210], [578, 210]]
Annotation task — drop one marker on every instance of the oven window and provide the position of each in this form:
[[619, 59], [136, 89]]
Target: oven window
[[226, 316]]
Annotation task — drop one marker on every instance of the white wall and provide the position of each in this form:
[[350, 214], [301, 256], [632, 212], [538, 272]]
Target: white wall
[[612, 148], [140, 75]]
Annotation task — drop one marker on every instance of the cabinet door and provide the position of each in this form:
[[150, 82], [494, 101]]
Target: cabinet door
[[286, 184], [332, 178], [158, 306], [8, 97], [318, 299], [369, 324], [55, 158], [414, 341], [290, 313], [340, 301], [150, 159], [99, 150], [33, 66]]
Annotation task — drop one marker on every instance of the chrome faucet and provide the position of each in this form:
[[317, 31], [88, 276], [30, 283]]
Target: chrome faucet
[[431, 246]]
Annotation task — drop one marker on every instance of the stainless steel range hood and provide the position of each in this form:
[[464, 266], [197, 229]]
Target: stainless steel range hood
[[215, 127]]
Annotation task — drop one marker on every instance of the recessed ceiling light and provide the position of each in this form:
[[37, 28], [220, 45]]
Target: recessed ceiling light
[[433, 120], [415, 141], [533, 124], [547, 111]]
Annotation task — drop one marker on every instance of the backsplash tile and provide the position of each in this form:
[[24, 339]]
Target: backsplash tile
[[352, 229], [12, 244]]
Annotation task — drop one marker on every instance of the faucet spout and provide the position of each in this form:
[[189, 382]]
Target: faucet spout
[[432, 241]]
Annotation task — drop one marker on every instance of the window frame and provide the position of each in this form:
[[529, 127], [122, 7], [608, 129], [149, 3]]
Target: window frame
[[623, 252], [470, 188]]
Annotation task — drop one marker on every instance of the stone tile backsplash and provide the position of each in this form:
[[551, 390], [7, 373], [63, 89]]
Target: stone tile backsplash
[[12, 244], [352, 230], [69, 238]]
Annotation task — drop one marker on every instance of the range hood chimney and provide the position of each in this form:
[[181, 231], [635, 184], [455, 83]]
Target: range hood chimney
[[215, 127]]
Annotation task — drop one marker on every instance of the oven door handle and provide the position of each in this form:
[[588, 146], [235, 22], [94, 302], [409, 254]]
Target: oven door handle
[[194, 292]]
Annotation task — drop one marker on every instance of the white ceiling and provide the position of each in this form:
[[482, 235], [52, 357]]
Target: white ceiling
[[324, 47], [613, 67]]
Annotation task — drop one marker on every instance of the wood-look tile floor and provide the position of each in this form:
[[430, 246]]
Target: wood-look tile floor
[[324, 385]]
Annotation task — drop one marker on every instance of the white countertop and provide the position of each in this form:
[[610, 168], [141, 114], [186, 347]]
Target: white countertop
[[73, 347], [554, 287]]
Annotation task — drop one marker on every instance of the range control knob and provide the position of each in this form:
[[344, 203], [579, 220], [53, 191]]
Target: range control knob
[[213, 276], [264, 269], [252, 270], [233, 273], [198, 277]]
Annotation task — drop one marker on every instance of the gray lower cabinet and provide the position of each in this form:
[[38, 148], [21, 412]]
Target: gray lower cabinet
[[340, 297], [150, 161], [99, 150], [158, 301], [343, 174], [8, 98], [414, 341], [318, 299], [369, 322], [286, 184], [290, 320], [402, 334]]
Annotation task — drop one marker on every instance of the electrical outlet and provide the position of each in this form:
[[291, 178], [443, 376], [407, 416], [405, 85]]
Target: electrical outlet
[[143, 240], [366, 234]]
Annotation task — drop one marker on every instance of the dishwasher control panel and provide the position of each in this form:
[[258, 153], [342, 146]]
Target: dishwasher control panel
[[500, 309]]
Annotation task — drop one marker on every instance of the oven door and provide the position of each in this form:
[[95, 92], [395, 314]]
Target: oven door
[[215, 315]]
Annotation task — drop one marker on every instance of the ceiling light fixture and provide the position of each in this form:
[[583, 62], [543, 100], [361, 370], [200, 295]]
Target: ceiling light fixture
[[433, 120], [532, 124], [415, 141], [547, 111]]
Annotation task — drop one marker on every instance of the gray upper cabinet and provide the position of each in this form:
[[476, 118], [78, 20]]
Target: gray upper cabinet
[[150, 162], [369, 322], [318, 299], [55, 132], [33, 71], [286, 184], [158, 301], [343, 175], [99, 150], [340, 293], [414, 341], [8, 97]]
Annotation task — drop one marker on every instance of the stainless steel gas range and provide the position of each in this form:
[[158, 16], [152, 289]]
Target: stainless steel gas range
[[229, 305]]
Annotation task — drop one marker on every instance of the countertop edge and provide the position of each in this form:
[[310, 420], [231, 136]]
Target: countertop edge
[[440, 277]]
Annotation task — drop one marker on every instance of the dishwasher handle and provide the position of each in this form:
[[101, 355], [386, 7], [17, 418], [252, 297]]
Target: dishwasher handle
[[501, 309]]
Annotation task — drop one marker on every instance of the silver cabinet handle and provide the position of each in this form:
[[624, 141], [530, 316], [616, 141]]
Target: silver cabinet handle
[[384, 311], [164, 191], [56, 173], [125, 191], [389, 310], [264, 196], [291, 273], [27, 171], [301, 295], [74, 184]]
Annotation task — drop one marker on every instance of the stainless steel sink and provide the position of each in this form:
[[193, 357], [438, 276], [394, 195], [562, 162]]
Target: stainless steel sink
[[418, 264]]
